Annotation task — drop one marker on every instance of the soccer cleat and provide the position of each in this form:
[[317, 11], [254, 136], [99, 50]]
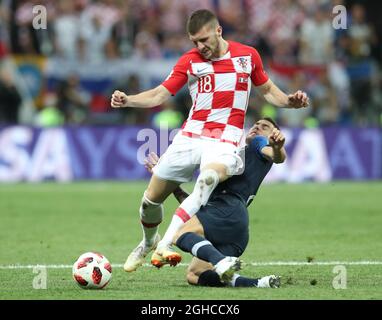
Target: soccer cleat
[[165, 256], [227, 267], [275, 281], [138, 255], [271, 281]]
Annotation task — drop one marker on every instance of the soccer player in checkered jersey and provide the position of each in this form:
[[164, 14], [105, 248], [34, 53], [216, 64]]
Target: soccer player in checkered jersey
[[219, 74]]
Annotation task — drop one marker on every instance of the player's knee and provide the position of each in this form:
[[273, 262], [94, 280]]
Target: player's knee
[[220, 170], [212, 177], [209, 177], [205, 184]]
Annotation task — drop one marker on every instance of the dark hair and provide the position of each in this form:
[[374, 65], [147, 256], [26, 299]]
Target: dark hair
[[199, 19], [272, 121]]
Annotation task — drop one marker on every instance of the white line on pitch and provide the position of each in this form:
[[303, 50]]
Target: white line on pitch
[[255, 264]]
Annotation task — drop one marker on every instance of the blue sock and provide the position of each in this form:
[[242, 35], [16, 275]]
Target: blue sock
[[199, 247], [245, 282]]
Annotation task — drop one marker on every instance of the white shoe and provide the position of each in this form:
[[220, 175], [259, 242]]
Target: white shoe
[[271, 281], [137, 257], [227, 267]]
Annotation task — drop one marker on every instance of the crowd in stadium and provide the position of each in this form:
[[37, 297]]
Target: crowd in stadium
[[338, 68]]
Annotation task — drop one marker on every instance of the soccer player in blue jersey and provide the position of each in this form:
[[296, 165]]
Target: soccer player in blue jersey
[[218, 234]]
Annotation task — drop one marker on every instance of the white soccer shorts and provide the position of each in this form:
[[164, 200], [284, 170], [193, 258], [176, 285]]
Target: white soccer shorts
[[187, 154]]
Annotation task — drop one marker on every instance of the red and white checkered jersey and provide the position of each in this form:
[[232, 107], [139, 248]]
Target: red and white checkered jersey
[[219, 90]]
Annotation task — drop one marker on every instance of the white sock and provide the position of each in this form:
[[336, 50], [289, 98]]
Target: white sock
[[233, 281], [205, 184], [151, 214], [172, 229], [263, 282]]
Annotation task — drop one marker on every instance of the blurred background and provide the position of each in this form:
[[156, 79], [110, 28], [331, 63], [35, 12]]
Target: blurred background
[[62, 76]]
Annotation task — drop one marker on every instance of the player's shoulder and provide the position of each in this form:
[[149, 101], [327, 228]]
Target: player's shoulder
[[240, 49]]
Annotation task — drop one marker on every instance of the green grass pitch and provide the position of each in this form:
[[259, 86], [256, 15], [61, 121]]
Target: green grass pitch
[[52, 224]]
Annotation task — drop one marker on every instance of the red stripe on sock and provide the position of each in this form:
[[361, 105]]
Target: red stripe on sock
[[182, 214], [150, 225]]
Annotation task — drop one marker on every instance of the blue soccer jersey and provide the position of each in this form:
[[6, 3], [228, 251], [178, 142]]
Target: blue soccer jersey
[[256, 168]]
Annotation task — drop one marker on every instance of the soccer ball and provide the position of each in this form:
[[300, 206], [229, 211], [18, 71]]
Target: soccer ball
[[92, 271]]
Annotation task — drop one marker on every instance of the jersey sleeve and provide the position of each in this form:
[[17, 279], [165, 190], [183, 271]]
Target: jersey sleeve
[[258, 143], [178, 76], [258, 75]]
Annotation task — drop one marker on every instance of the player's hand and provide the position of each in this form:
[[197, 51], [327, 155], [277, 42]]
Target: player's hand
[[276, 139], [118, 99], [151, 161], [298, 100]]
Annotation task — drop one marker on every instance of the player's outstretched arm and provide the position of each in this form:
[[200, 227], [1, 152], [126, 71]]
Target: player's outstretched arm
[[146, 99], [278, 98], [275, 151]]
